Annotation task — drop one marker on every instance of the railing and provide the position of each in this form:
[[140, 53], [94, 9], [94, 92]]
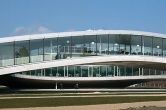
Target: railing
[[76, 51]]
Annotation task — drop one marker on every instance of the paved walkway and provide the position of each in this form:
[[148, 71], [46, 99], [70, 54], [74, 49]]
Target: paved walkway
[[141, 95], [99, 107]]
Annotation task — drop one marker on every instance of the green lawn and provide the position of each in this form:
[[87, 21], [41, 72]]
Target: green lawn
[[50, 102]]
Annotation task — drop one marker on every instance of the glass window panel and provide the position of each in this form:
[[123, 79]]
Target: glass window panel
[[84, 71], [71, 71], [96, 71], [135, 71], [164, 72], [136, 45], [125, 44], [113, 44], [22, 52], [152, 72], [164, 47], [129, 71], [147, 45], [36, 50], [103, 71], [121, 71], [48, 72], [157, 46], [7, 54], [40, 72], [60, 72], [50, 49], [90, 45], [77, 71], [33, 72], [64, 47], [159, 72], [77, 46], [54, 71], [146, 71], [102, 44], [110, 70]]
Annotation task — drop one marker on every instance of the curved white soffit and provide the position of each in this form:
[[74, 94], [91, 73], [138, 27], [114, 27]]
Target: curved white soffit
[[78, 33], [47, 78], [81, 61]]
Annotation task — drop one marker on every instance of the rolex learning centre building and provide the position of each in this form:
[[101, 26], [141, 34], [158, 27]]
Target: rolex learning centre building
[[88, 59]]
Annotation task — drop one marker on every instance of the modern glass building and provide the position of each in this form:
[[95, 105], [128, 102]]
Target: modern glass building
[[102, 58]]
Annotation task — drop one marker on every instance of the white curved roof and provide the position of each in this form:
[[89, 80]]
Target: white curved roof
[[79, 33]]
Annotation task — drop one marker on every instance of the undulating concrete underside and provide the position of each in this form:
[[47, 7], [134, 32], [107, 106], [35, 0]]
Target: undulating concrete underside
[[26, 81]]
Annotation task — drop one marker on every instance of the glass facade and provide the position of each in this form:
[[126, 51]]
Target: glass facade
[[90, 45], [64, 47], [147, 45], [7, 54], [36, 50], [93, 71], [22, 52], [157, 47], [113, 44], [102, 44], [136, 45], [48, 49], [125, 41], [77, 46]]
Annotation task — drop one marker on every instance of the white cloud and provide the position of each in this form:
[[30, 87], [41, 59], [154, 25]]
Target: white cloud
[[34, 29]]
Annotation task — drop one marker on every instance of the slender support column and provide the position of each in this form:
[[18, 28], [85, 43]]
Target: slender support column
[[56, 86], [67, 71], [114, 70], [64, 70], [117, 71]]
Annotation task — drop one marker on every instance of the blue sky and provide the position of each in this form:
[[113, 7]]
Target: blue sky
[[18, 17]]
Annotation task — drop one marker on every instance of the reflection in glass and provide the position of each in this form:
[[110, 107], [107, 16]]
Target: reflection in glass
[[157, 46], [77, 46], [48, 72], [64, 47], [135, 71], [36, 50], [146, 72], [147, 45], [54, 71], [113, 44], [125, 44], [103, 71], [78, 71], [96, 72], [85, 71], [71, 71], [60, 72], [110, 71], [7, 54], [102, 44], [136, 45], [50, 49], [21, 52], [90, 45]]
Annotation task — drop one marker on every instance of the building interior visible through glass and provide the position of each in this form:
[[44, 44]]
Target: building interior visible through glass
[[47, 49]]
